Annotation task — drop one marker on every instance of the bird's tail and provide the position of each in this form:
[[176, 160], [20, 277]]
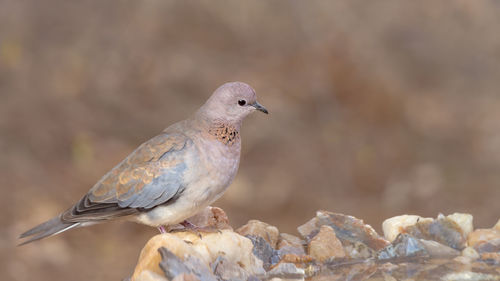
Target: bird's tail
[[48, 228]]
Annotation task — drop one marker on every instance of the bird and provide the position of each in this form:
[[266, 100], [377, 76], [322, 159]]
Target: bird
[[173, 175]]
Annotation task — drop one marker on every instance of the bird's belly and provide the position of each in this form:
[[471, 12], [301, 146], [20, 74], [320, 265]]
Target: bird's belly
[[192, 201], [202, 190]]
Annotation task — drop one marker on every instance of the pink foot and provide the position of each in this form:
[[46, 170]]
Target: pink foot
[[162, 230], [188, 225]]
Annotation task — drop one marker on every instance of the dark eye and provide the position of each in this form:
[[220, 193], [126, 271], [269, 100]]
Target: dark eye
[[242, 102]]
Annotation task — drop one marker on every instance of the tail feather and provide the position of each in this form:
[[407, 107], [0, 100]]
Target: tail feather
[[48, 228]]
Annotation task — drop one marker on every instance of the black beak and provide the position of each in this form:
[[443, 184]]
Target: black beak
[[260, 107]]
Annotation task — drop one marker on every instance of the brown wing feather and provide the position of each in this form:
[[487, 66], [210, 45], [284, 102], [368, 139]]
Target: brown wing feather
[[129, 178]]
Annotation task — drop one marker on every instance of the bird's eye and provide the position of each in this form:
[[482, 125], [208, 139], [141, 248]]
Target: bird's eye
[[242, 102]]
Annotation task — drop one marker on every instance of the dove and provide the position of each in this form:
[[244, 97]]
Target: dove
[[172, 176]]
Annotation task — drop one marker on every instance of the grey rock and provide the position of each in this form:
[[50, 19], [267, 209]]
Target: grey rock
[[173, 266], [286, 271], [229, 270], [263, 251]]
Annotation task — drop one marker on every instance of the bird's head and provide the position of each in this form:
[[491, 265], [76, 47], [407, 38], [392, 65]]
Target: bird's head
[[231, 102]]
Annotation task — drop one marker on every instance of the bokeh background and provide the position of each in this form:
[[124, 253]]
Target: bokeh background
[[378, 108]]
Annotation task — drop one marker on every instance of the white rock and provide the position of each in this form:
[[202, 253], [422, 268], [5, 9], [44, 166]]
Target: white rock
[[464, 221], [468, 275], [147, 275], [392, 227]]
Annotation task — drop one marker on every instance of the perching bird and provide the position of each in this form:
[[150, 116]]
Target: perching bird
[[172, 176]]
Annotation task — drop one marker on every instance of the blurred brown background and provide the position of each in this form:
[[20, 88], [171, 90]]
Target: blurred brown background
[[378, 108]]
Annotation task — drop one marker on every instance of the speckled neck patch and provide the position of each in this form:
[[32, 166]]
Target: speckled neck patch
[[225, 133]]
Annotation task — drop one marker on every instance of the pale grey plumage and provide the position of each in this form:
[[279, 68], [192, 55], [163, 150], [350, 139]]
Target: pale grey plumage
[[173, 175]]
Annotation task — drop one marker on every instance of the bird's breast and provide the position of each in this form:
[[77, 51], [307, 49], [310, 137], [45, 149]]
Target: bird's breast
[[217, 166]]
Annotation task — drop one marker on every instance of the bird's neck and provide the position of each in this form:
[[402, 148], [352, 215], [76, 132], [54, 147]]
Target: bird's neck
[[225, 132]]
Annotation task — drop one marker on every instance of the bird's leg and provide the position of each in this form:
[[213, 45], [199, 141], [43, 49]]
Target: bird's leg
[[190, 226], [162, 230]]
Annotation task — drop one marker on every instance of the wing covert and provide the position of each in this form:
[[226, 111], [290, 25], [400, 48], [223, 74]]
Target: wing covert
[[151, 175]]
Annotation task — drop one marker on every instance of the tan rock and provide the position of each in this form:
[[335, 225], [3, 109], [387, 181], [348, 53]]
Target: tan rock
[[290, 244], [296, 259], [286, 239], [234, 247], [325, 245], [211, 217], [358, 250], [348, 229], [231, 245], [147, 275], [491, 257], [186, 277], [438, 250], [392, 227], [149, 259], [257, 228], [309, 227], [482, 235]]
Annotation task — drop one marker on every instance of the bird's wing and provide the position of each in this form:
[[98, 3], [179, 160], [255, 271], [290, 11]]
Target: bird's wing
[[149, 176]]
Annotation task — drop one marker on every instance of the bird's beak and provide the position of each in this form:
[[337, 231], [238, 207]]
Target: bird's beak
[[260, 107]]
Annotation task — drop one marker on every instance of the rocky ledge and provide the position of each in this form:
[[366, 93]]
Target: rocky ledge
[[330, 247]]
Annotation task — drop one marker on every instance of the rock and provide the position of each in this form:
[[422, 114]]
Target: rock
[[147, 275], [358, 250], [173, 266], [300, 261], [482, 235], [404, 246], [407, 246], [491, 258], [291, 247], [347, 229], [310, 228], [211, 217], [257, 228], [464, 221], [229, 270], [497, 225], [149, 259], [470, 253], [338, 247], [438, 250], [392, 227], [451, 230], [325, 245], [186, 277], [206, 250], [291, 244], [469, 276], [443, 230], [291, 250], [286, 271], [488, 246], [347, 271], [263, 251]]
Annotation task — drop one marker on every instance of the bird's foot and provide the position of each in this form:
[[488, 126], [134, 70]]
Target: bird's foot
[[161, 228], [197, 229]]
